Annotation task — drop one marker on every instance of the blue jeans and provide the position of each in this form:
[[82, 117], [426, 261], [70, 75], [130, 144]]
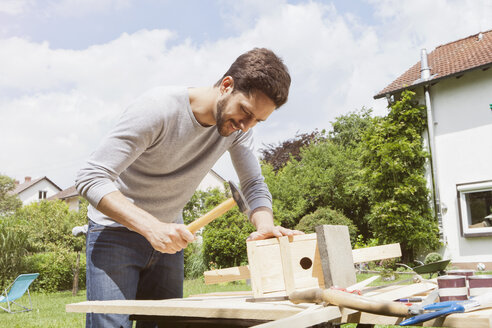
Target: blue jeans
[[122, 265]]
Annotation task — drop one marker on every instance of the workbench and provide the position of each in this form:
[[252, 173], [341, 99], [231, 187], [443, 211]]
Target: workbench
[[279, 266], [234, 311]]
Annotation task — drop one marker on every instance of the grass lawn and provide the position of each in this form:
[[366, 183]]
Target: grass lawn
[[49, 309]]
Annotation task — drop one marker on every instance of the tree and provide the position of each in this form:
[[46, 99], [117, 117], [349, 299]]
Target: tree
[[278, 155], [393, 163], [224, 240], [325, 215], [49, 225], [327, 175], [8, 202]]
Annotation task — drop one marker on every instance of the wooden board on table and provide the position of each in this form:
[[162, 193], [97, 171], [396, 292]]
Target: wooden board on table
[[205, 308], [376, 253], [314, 315], [336, 255]]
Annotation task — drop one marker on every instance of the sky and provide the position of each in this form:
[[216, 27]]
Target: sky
[[69, 67]]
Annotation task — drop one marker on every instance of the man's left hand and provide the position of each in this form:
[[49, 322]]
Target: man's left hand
[[272, 231], [262, 218]]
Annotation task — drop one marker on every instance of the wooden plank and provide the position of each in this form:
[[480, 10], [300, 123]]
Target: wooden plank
[[255, 269], [228, 309], [336, 255], [226, 275], [376, 253], [403, 291], [287, 270], [311, 316], [364, 283]]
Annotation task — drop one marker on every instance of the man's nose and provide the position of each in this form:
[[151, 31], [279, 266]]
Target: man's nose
[[246, 124]]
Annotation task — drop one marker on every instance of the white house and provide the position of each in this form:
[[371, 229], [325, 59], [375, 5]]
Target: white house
[[69, 196], [454, 81], [212, 180], [35, 190]]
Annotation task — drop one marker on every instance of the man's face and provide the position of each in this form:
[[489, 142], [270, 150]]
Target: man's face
[[239, 111]]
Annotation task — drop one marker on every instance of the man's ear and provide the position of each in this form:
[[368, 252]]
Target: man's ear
[[227, 85]]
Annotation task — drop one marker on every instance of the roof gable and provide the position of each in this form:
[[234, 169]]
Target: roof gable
[[26, 185], [451, 59]]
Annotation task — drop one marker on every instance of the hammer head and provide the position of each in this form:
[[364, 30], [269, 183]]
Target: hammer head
[[239, 198]]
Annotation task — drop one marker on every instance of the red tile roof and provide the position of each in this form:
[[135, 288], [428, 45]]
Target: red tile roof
[[451, 59]]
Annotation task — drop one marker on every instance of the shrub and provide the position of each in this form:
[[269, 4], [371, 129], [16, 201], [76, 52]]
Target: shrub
[[432, 257], [326, 215], [55, 270], [49, 226], [224, 240], [194, 265], [13, 246]]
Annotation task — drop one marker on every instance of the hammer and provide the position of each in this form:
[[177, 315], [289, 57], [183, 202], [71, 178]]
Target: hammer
[[237, 198]]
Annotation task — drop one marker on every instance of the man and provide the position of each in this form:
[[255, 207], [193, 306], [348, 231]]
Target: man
[[146, 170]]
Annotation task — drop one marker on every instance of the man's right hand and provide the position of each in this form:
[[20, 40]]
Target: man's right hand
[[164, 237], [169, 238]]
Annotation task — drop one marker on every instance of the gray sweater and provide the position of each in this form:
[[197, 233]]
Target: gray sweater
[[158, 153]]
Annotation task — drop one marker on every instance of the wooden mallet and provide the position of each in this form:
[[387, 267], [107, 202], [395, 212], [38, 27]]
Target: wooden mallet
[[237, 198]]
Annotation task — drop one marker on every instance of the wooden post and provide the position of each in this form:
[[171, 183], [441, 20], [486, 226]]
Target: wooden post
[[287, 264], [335, 252], [75, 285]]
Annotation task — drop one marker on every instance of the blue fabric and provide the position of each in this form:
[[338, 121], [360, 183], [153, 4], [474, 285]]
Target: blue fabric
[[19, 287], [122, 265]]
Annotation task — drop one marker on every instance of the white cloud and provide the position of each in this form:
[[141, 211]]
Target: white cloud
[[71, 8], [59, 103], [13, 7]]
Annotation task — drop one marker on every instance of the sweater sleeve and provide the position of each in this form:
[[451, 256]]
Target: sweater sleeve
[[248, 169], [136, 130]]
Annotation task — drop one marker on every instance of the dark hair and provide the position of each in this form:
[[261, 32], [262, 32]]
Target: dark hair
[[260, 70]]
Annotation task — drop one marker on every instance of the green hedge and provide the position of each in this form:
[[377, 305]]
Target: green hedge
[[325, 215], [56, 270]]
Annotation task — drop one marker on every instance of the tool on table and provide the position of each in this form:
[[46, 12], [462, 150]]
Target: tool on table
[[350, 300], [351, 289], [448, 307], [237, 198]]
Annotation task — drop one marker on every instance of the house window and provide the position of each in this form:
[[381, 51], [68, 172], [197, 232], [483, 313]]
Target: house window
[[475, 208], [42, 194]]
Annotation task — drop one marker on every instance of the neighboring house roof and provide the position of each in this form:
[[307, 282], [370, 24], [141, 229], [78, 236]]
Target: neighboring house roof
[[26, 184], [64, 194], [451, 59]]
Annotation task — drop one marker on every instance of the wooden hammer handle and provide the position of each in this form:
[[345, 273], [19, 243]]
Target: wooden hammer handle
[[352, 301], [212, 215]]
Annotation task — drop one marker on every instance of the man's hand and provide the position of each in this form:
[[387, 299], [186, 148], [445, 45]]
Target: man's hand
[[164, 237], [262, 218], [169, 237], [272, 231]]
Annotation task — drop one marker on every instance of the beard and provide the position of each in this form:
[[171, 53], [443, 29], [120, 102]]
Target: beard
[[221, 121]]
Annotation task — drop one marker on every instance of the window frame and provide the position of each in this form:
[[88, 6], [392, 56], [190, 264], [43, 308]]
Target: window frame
[[42, 194], [462, 190]]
